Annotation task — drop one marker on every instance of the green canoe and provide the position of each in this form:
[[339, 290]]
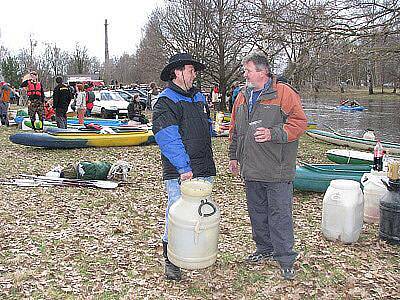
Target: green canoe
[[317, 177], [354, 142], [346, 156]]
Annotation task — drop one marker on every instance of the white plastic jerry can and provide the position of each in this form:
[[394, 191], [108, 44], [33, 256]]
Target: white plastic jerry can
[[369, 135], [374, 190], [193, 227], [342, 211]]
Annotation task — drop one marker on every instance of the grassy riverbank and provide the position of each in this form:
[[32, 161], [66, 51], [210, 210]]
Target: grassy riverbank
[[356, 94], [77, 243]]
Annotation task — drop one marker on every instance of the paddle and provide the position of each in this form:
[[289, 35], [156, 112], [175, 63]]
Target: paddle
[[25, 183], [103, 184], [329, 127]]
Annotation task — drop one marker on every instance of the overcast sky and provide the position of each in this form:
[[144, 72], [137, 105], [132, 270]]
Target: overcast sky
[[68, 22]]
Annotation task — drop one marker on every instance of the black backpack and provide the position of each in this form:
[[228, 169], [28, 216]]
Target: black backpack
[[91, 97]]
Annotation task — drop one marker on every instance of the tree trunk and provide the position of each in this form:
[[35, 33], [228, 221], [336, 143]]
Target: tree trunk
[[370, 86], [222, 89]]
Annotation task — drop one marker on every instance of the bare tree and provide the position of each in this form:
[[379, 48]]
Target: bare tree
[[58, 59], [51, 62], [124, 68], [228, 40], [332, 40], [24, 60], [153, 51], [80, 61], [213, 31]]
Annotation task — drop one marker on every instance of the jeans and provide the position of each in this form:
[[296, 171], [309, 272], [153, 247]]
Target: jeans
[[81, 115], [4, 113], [174, 193]]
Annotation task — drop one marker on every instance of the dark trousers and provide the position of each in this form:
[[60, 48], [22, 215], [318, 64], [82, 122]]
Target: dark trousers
[[4, 113], [61, 119], [270, 210], [138, 118]]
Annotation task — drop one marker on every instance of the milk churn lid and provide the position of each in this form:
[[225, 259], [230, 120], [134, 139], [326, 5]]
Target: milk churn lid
[[196, 188]]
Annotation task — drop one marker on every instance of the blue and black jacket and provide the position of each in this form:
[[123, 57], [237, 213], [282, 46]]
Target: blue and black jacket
[[182, 129]]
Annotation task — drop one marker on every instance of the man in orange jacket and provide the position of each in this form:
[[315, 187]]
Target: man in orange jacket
[[5, 95], [267, 121]]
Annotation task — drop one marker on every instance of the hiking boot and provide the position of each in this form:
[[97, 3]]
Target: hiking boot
[[257, 257], [288, 273], [172, 272]]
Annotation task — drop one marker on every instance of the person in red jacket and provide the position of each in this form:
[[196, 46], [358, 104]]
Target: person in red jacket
[[90, 97], [49, 112], [34, 90]]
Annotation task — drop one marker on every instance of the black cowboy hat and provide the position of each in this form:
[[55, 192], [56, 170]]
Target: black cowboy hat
[[180, 60]]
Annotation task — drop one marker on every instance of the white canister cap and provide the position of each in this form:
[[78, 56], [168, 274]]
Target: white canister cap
[[345, 184]]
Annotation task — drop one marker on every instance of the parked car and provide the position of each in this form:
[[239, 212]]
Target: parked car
[[142, 94], [109, 104], [128, 96]]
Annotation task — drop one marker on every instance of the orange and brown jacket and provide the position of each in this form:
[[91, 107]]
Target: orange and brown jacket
[[279, 109], [5, 94]]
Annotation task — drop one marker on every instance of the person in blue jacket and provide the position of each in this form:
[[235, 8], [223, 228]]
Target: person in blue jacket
[[235, 92], [182, 129]]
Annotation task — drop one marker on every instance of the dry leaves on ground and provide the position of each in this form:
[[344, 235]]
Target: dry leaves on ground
[[67, 243]]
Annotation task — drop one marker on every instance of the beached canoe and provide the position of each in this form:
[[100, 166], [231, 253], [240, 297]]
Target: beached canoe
[[317, 177], [65, 139], [347, 156], [73, 122], [351, 108], [311, 125], [354, 142]]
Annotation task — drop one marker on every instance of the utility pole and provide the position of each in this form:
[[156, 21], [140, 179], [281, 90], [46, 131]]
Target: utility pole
[[106, 53], [33, 44]]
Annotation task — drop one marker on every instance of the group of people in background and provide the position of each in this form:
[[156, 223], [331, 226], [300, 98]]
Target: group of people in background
[[82, 98], [79, 97], [55, 108], [35, 99], [215, 97]]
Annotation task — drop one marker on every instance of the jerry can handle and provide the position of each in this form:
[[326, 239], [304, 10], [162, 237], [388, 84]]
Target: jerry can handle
[[205, 202], [387, 185], [364, 179]]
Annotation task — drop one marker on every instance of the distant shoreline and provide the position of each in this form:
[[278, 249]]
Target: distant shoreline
[[353, 93]]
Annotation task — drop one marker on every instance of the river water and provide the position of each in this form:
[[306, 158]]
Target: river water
[[381, 116]]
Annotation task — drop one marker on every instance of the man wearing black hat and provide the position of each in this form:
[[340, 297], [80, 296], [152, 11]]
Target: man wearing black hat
[[182, 128], [61, 98]]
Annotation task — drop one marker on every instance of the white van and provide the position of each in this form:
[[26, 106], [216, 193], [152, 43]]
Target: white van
[[109, 104]]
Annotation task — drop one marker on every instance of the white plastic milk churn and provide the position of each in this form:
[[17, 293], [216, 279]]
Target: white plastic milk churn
[[193, 228]]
